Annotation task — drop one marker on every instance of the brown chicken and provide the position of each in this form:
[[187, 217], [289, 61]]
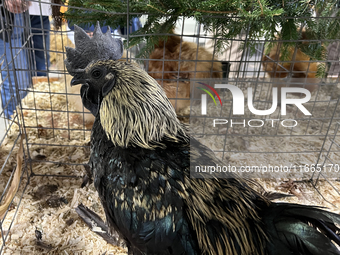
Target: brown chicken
[[182, 62], [298, 64]]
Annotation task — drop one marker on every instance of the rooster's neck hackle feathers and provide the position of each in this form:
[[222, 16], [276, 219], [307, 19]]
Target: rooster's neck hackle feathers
[[137, 112]]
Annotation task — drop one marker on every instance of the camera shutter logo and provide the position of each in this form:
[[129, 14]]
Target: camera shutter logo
[[204, 97]]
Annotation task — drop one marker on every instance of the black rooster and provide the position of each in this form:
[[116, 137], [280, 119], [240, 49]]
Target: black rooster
[[140, 160]]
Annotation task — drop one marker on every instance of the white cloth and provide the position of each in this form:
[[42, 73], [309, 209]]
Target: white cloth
[[45, 6]]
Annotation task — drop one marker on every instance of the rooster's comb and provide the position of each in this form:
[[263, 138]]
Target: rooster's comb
[[87, 49]]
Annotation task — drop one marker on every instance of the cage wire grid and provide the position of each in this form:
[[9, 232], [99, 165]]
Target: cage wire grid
[[325, 159], [57, 127]]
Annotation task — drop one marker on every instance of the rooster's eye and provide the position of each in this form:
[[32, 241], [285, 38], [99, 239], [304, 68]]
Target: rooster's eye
[[96, 73]]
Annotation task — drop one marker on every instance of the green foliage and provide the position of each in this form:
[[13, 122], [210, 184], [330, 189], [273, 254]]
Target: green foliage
[[225, 19]]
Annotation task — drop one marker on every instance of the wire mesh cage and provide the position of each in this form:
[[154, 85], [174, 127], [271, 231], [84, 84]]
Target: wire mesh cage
[[39, 105], [293, 140], [326, 160], [15, 81]]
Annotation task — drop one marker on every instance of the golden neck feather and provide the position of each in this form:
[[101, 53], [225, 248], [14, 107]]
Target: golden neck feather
[[137, 112]]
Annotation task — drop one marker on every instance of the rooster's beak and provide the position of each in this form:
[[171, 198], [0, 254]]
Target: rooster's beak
[[77, 80]]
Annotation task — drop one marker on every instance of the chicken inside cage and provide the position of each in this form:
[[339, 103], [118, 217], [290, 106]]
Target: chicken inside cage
[[297, 65], [124, 187], [174, 62]]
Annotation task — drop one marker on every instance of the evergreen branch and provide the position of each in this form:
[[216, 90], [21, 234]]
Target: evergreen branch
[[153, 7], [261, 7], [262, 18], [213, 12]]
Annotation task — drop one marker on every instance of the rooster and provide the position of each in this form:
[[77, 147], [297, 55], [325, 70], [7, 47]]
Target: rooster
[[141, 156]]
